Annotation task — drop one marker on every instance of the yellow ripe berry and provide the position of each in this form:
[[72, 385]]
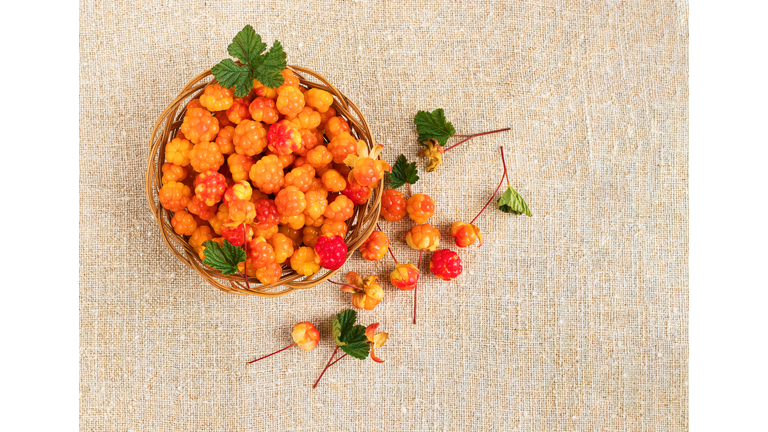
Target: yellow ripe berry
[[304, 261], [318, 99], [177, 151], [290, 101], [283, 247], [217, 98]]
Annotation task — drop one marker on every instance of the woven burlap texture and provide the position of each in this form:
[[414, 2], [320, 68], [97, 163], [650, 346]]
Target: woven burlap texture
[[575, 319]]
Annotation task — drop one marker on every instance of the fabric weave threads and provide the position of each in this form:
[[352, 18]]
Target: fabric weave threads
[[575, 319]]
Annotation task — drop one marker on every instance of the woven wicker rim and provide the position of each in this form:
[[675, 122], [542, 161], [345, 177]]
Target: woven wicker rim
[[361, 225]]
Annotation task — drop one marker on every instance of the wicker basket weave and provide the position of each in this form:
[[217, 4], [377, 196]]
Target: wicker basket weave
[[361, 225]]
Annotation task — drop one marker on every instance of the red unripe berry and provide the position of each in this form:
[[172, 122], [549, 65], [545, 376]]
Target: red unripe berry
[[331, 251], [445, 264]]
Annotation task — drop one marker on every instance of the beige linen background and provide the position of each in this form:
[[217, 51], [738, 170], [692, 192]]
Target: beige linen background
[[572, 320]]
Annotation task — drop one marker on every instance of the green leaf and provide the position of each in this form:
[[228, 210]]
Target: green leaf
[[247, 45], [230, 74], [269, 71], [433, 124], [342, 324], [358, 350], [512, 202], [402, 173], [223, 259]]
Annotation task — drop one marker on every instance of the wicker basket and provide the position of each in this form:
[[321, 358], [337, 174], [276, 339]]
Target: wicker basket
[[361, 225]]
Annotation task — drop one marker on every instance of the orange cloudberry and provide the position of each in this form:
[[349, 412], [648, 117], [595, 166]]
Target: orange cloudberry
[[239, 166], [239, 111], [201, 235], [309, 235], [304, 261], [206, 156], [296, 222], [183, 223], [264, 110], [331, 227], [267, 174], [241, 211], [199, 126], [173, 172], [341, 146], [293, 234], [307, 118], [318, 99], [177, 151], [420, 207], [216, 97], [269, 274], [340, 209], [393, 205], [283, 137], [290, 201], [375, 246], [301, 177], [250, 138], [335, 126], [283, 247], [319, 156], [333, 181], [290, 100], [423, 237], [224, 140], [210, 187], [366, 168], [175, 196], [240, 190], [260, 253], [197, 206]]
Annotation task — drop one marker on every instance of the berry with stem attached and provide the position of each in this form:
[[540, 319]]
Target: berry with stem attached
[[305, 336]]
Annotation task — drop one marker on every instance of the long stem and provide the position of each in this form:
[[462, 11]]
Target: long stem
[[326, 366], [504, 162], [337, 360], [473, 136], [245, 263], [491, 198], [389, 248], [416, 288], [261, 358], [410, 192], [344, 284]]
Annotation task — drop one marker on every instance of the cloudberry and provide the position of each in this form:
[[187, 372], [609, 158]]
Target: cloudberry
[[305, 335], [264, 110], [341, 146], [308, 141], [250, 138], [241, 211], [239, 166], [331, 251], [221, 116], [260, 253], [465, 234], [335, 126], [175, 196], [284, 137], [184, 223], [318, 99], [333, 181], [238, 234], [260, 90], [224, 140], [210, 187], [293, 234], [296, 222], [248, 268], [222, 213], [319, 156], [266, 233], [290, 201], [215, 223], [239, 191], [316, 204], [367, 169], [367, 293], [206, 156], [267, 174], [340, 209], [375, 246], [325, 116], [404, 276], [283, 247], [423, 237], [300, 177], [199, 126], [300, 161], [307, 118], [267, 213], [289, 78], [285, 160], [215, 97], [315, 222], [356, 192], [197, 206], [309, 235], [330, 227], [322, 170], [445, 264], [239, 111], [177, 151], [173, 172], [194, 103], [393, 205], [303, 261], [269, 274], [420, 207], [201, 235], [290, 100]]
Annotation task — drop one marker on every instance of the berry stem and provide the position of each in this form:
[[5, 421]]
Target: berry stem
[[326, 367], [491, 198], [410, 192], [337, 360], [504, 162], [416, 288], [389, 248], [473, 136], [245, 263], [268, 355], [344, 284]]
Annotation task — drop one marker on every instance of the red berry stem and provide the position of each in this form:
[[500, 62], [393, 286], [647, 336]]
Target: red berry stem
[[494, 192], [473, 136], [245, 263], [416, 288], [337, 360], [344, 284], [389, 248], [261, 358], [504, 162], [410, 192], [326, 367]]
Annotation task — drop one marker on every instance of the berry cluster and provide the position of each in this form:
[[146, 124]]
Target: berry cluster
[[267, 173]]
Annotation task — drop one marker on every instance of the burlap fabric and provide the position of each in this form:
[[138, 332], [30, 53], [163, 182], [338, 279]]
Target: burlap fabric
[[572, 320]]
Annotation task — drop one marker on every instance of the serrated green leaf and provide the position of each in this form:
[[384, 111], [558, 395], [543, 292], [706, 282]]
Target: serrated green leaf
[[511, 202], [354, 334], [402, 173], [342, 324], [269, 71], [247, 45], [231, 75], [223, 259], [358, 350], [433, 125]]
